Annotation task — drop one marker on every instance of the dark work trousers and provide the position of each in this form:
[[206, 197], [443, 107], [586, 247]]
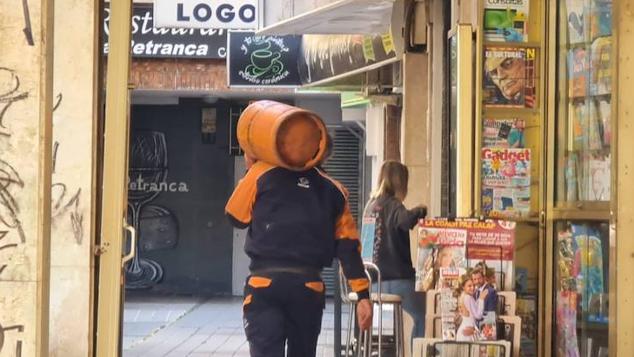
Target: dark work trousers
[[283, 309]]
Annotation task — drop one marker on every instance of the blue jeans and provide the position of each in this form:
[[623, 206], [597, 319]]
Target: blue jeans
[[413, 302]]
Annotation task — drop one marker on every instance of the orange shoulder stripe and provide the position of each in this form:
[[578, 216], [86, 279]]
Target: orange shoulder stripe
[[338, 184], [240, 204]]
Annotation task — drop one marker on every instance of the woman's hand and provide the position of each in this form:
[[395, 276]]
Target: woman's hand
[[364, 314], [484, 294], [421, 211]]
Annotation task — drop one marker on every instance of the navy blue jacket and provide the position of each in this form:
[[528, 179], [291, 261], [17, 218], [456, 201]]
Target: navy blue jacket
[[297, 219]]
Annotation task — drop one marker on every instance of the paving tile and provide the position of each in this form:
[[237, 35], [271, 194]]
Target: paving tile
[[188, 326]]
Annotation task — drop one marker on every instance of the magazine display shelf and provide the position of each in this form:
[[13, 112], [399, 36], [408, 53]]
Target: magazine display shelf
[[505, 189], [542, 125]]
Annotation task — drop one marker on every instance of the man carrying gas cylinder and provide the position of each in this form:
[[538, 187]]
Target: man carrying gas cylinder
[[298, 220]]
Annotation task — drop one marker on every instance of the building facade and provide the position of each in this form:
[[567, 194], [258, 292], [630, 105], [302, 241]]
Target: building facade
[[429, 106]]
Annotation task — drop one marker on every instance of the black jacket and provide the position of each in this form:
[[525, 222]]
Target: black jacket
[[297, 219], [391, 251]]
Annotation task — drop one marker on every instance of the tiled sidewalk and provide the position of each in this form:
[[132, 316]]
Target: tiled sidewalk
[[177, 327]]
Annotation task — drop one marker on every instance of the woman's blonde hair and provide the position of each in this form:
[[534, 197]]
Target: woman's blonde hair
[[462, 281], [393, 179]]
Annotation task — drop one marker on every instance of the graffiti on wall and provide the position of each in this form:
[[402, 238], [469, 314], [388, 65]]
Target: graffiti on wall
[[18, 344], [11, 231], [65, 205], [10, 94]]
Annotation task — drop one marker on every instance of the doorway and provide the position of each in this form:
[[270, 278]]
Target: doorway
[[184, 286]]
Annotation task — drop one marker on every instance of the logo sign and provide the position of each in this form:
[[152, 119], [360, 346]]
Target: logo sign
[[262, 60], [149, 41], [218, 14]]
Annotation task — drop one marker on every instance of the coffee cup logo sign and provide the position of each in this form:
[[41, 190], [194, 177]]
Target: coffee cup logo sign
[[262, 60], [265, 66], [219, 14]]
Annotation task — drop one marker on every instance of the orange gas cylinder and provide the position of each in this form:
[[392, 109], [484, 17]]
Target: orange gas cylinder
[[282, 135]]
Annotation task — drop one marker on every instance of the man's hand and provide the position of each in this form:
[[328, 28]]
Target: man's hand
[[468, 331], [364, 314]]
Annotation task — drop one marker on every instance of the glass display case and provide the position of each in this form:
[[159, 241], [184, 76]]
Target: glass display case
[[581, 309], [582, 178], [584, 88]]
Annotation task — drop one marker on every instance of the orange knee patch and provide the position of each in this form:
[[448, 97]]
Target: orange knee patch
[[317, 286], [259, 282]]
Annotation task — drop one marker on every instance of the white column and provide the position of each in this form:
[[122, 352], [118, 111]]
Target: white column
[[74, 159]]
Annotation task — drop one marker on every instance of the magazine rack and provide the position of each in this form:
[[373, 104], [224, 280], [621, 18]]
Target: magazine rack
[[512, 332], [433, 347], [506, 313], [507, 303]]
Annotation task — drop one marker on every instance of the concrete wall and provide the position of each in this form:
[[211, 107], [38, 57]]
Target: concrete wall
[[278, 10], [437, 103], [374, 140], [25, 132], [327, 107], [73, 199]]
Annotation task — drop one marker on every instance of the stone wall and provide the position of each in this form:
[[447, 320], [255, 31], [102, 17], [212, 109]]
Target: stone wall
[[25, 117], [72, 225]]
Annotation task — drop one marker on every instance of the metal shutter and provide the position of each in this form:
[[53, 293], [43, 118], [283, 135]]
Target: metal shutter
[[346, 166]]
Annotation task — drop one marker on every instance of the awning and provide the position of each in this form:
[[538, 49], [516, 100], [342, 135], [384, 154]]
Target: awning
[[339, 17]]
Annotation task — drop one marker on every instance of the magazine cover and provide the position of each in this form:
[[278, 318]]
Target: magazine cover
[[600, 18], [594, 127], [368, 229], [527, 310], [488, 327], [426, 258], [505, 20], [438, 247], [483, 350], [463, 243], [604, 110], [601, 66], [588, 263], [570, 172], [578, 128], [577, 72], [506, 202], [506, 181], [503, 133], [566, 312], [566, 247], [576, 21], [598, 179], [493, 242], [509, 77], [448, 283], [370, 223]]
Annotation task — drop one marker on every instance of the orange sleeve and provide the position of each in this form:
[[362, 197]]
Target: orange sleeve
[[240, 204], [346, 227]]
